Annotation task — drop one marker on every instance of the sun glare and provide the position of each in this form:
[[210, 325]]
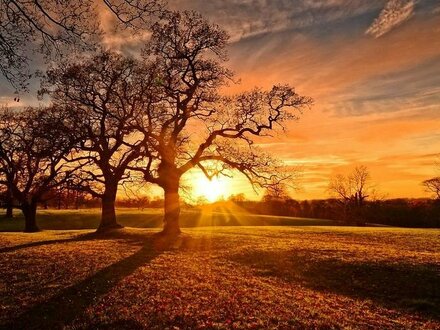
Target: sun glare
[[212, 190]]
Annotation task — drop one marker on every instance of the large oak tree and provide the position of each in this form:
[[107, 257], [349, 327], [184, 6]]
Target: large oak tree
[[192, 124]]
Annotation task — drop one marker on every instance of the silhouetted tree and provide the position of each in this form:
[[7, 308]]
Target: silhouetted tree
[[433, 185], [276, 192], [237, 198], [275, 200], [47, 26], [352, 190], [188, 53], [108, 93], [33, 156]]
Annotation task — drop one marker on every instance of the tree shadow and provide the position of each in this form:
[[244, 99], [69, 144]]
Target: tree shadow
[[403, 286], [114, 234], [71, 302]]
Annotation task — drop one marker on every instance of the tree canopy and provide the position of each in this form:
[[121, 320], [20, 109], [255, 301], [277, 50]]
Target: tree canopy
[[55, 28], [34, 156]]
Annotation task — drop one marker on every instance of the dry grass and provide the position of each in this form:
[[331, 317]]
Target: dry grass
[[222, 278]]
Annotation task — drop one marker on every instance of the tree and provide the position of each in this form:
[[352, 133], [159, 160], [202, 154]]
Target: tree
[[276, 193], [433, 185], [237, 198], [352, 190], [33, 157], [276, 200], [108, 93], [48, 26], [8, 202], [188, 53]]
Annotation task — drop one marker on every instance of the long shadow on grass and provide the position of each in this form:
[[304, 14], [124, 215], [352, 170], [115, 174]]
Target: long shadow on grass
[[403, 286], [135, 237], [72, 301]]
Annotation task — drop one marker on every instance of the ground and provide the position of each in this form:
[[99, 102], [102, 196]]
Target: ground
[[152, 218], [222, 278]]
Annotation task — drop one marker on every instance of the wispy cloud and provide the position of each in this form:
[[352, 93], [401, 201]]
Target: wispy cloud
[[249, 18], [395, 13]]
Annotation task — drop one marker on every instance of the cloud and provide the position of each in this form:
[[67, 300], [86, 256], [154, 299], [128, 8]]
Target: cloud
[[395, 13], [415, 89], [250, 18]]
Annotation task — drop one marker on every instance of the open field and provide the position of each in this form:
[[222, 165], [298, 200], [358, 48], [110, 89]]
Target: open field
[[222, 278], [152, 218]]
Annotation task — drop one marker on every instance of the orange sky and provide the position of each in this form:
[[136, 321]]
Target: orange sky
[[372, 67]]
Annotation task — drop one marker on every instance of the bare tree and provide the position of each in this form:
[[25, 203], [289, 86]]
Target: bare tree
[[108, 93], [46, 26], [237, 198], [352, 190], [433, 185], [276, 193], [33, 157], [192, 125]]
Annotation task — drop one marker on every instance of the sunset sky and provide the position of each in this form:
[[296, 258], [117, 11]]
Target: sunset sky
[[372, 68]]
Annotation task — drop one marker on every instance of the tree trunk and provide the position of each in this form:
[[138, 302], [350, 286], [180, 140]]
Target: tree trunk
[[108, 213], [30, 215], [9, 211], [171, 209], [9, 205]]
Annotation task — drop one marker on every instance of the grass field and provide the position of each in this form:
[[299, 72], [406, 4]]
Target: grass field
[[152, 218], [222, 278]]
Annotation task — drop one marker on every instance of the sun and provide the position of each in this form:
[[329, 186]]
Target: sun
[[212, 190]]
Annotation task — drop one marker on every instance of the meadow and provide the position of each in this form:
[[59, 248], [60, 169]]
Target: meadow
[[218, 277], [232, 215]]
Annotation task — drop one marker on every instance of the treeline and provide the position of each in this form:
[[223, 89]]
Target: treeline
[[393, 212], [401, 212]]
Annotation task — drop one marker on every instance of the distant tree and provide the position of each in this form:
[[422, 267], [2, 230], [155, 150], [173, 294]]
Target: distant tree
[[188, 53], [66, 196], [108, 93], [352, 190], [33, 157], [46, 26], [237, 198], [276, 192], [433, 185], [306, 209]]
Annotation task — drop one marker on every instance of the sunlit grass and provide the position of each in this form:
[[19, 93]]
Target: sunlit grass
[[223, 277], [229, 215]]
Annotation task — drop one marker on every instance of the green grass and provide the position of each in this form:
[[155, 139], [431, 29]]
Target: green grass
[[222, 278], [152, 218]]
